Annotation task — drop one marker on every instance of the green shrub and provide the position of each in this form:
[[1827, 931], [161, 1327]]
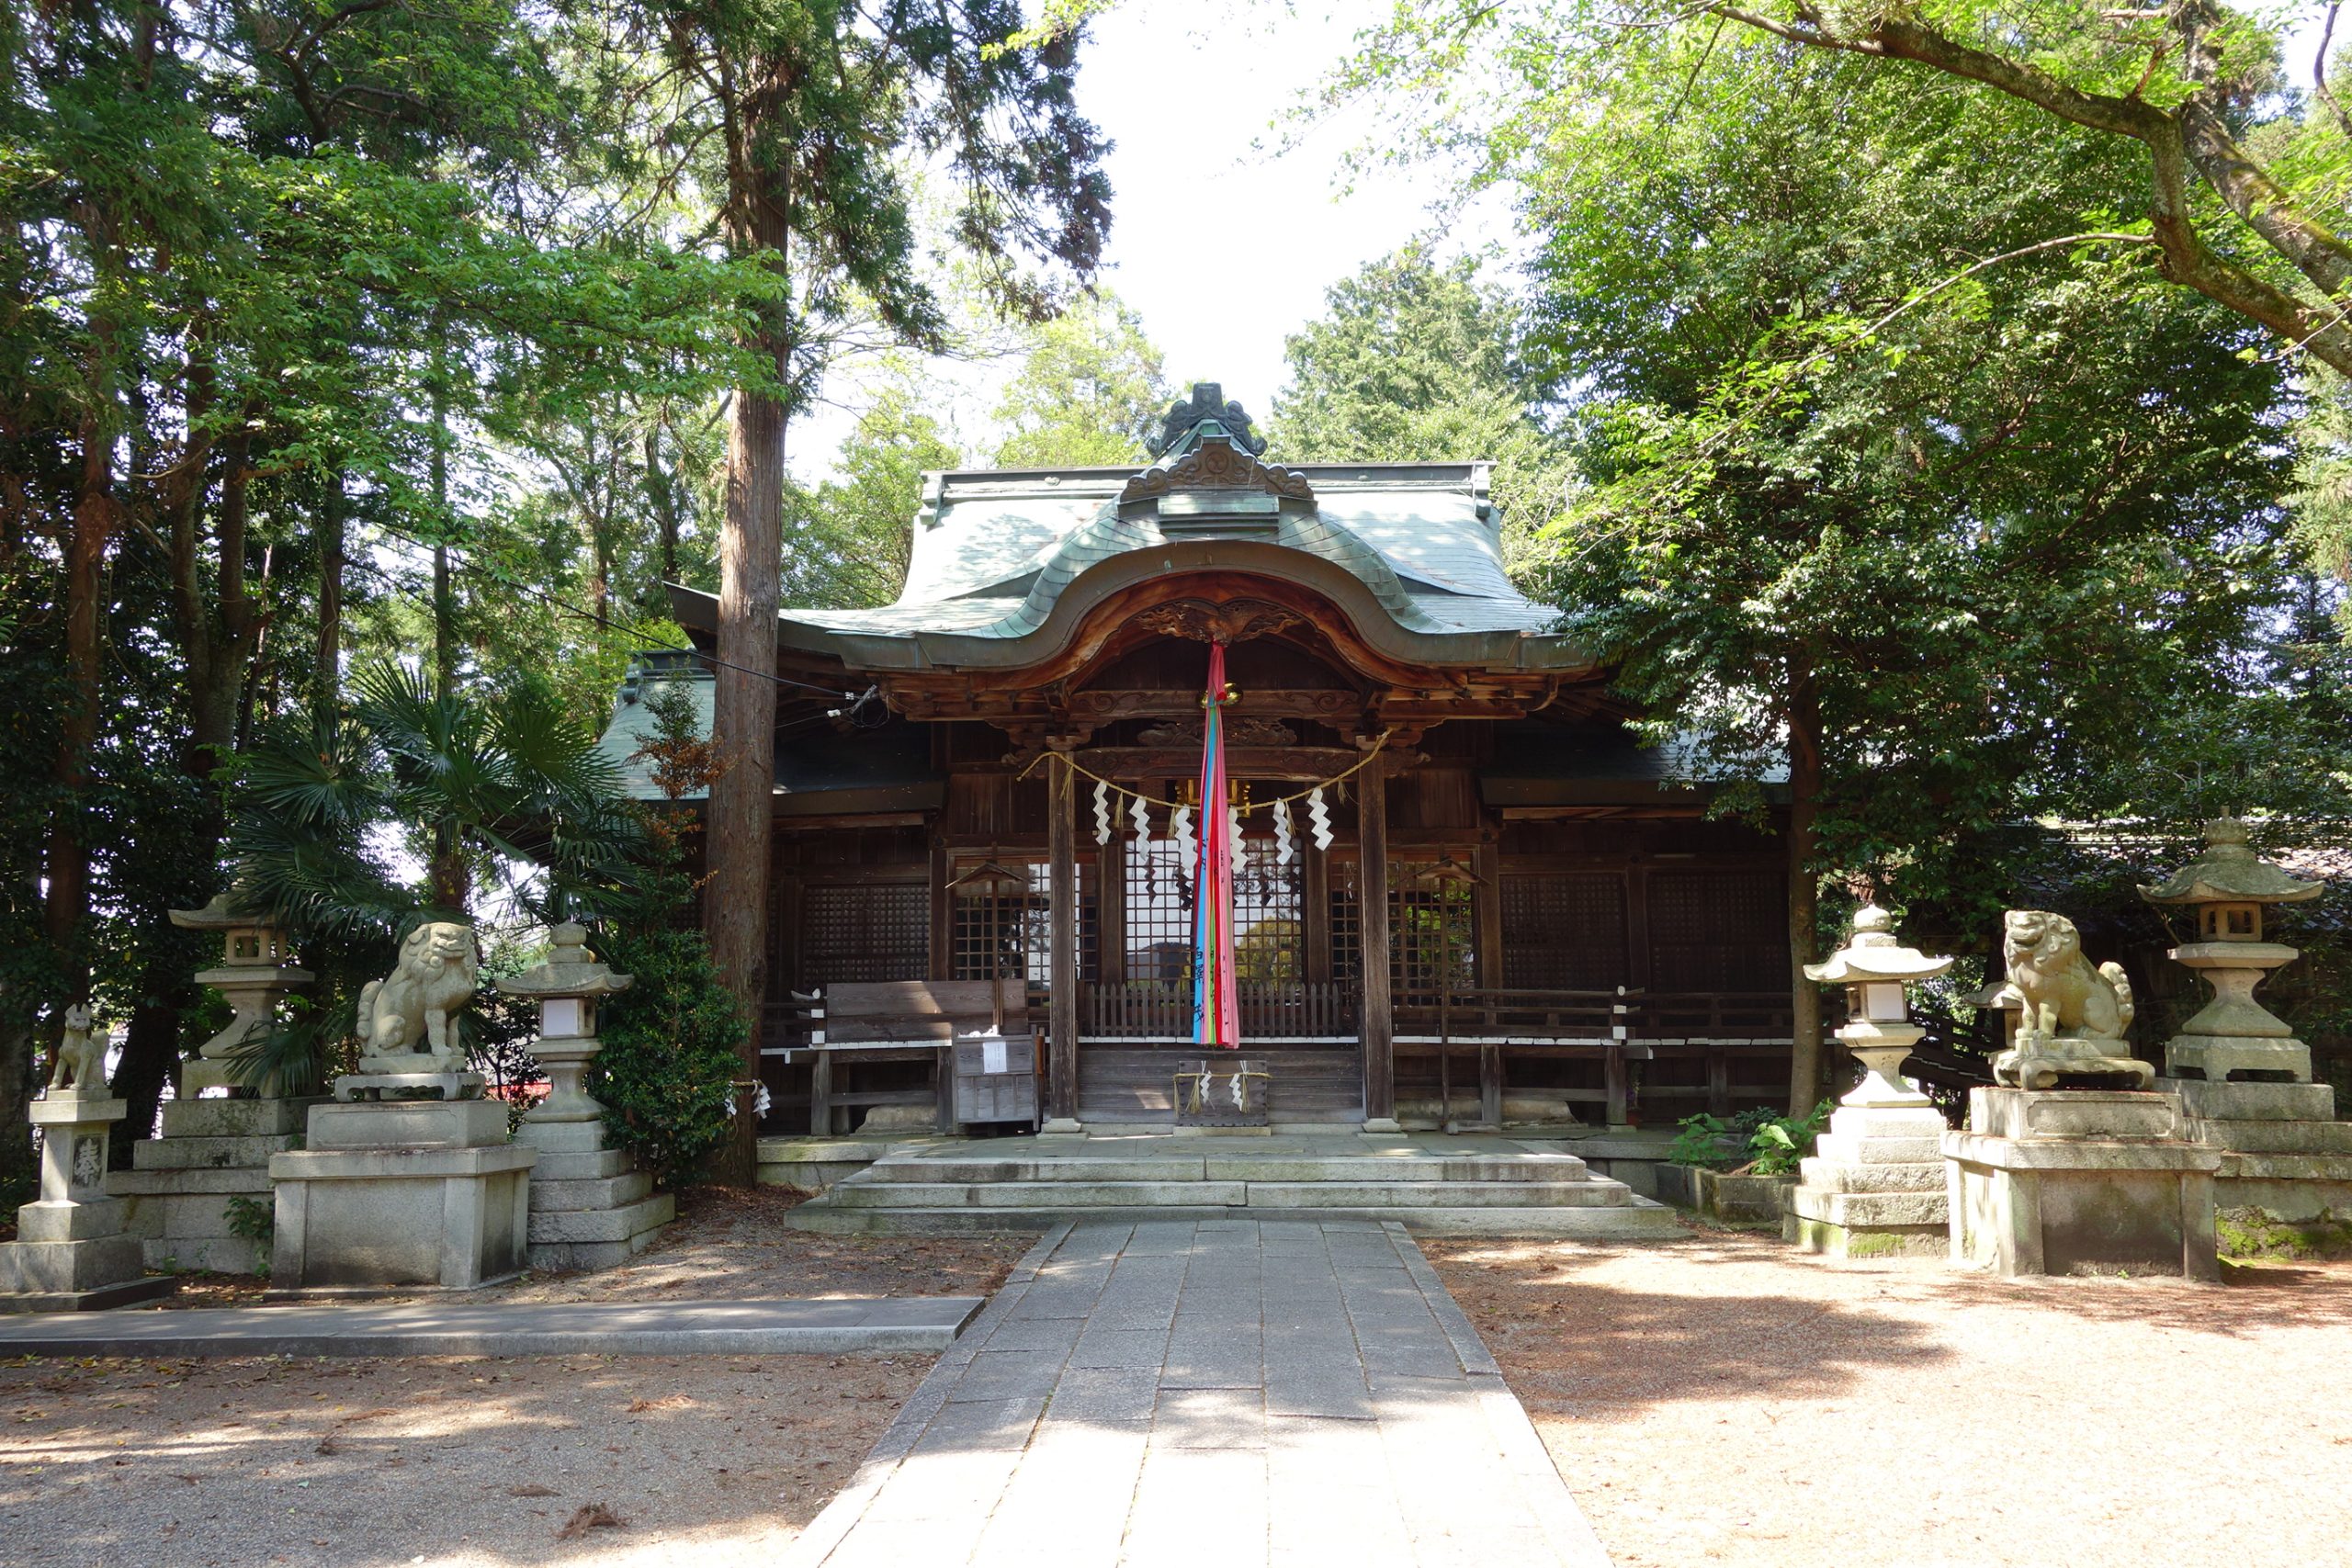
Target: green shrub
[[253, 1220], [1700, 1141], [672, 1040], [1781, 1144]]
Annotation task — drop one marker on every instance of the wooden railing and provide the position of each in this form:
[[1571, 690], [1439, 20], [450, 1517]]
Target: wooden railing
[[1271, 1010]]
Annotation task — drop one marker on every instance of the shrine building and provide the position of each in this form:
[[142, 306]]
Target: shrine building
[[1479, 901]]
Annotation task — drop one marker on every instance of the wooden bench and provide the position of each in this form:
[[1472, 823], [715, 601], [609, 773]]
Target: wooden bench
[[928, 1021]]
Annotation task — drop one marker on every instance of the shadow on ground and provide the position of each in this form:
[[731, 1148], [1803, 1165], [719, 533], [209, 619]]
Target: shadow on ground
[[356, 1463]]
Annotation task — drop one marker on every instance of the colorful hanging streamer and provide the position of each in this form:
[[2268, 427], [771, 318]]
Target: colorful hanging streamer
[[1216, 1015]]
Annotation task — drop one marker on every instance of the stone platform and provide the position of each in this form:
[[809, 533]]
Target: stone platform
[[1434, 1184], [2069, 1181], [2282, 1150], [178, 1193], [401, 1194]]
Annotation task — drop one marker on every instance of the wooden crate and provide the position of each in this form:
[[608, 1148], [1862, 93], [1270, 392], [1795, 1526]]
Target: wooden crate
[[996, 1080]]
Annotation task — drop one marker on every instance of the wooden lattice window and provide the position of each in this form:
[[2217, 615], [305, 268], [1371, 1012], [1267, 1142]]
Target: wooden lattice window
[[1431, 931], [1347, 924], [1564, 933], [1268, 904], [859, 932], [1432, 927], [1718, 930], [1019, 925]]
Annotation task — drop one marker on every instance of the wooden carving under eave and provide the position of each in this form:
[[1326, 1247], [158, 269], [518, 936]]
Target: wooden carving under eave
[[1236, 620], [1217, 464]]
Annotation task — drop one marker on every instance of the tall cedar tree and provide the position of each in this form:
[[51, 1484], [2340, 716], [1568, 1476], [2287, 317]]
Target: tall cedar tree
[[825, 110]]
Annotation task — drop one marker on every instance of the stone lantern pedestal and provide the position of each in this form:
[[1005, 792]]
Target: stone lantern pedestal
[[590, 1207], [71, 1254], [2245, 1081], [182, 1190], [1874, 1185]]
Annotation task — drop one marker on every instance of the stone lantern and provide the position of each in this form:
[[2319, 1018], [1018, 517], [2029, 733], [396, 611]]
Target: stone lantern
[[253, 974], [2224, 890], [1874, 969], [589, 1208], [1875, 1183], [567, 987], [70, 1253]]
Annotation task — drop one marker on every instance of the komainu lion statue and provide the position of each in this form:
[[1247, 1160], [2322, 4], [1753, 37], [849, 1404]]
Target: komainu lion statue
[[81, 1064], [2073, 1015], [407, 1013]]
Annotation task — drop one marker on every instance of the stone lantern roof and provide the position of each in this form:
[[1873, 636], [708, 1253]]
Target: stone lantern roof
[[1874, 955], [2230, 873]]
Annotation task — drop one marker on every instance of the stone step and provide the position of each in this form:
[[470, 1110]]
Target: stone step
[[873, 1192], [2237, 1167], [597, 1193], [1855, 1209], [235, 1118], [196, 1215], [1639, 1221], [2253, 1101], [188, 1183], [603, 1224], [209, 1154], [1596, 1192], [214, 1253], [2277, 1137], [1233, 1168], [1827, 1176], [585, 1164]]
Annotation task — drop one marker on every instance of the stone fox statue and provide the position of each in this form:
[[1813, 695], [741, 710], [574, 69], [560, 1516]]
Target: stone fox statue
[[410, 1009], [2064, 995], [81, 1063]]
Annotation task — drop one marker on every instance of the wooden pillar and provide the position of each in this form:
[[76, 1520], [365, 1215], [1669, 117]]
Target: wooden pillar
[[1372, 893], [1487, 944], [1061, 831]]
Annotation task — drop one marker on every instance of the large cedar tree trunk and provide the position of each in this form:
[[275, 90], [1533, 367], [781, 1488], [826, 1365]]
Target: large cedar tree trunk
[[1805, 886], [735, 898]]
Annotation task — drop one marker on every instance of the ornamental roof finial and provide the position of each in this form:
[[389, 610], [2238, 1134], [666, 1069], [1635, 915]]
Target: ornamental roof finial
[[1206, 413]]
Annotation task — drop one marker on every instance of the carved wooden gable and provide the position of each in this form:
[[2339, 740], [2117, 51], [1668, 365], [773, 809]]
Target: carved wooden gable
[[1216, 465]]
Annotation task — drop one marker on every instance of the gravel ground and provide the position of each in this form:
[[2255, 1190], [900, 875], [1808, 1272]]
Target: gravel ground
[[718, 1460], [732, 1245], [1727, 1400]]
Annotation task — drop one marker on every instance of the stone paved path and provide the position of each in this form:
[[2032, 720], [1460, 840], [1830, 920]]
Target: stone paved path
[[1216, 1392]]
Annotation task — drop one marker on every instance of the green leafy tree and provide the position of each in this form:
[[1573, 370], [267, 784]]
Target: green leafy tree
[[1938, 551], [2232, 179], [1419, 360], [1089, 389]]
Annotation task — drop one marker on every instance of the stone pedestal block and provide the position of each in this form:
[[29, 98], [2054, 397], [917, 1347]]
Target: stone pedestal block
[[1874, 1185], [589, 1208], [401, 1194], [2282, 1150], [2071, 1181], [71, 1254], [180, 1195]]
